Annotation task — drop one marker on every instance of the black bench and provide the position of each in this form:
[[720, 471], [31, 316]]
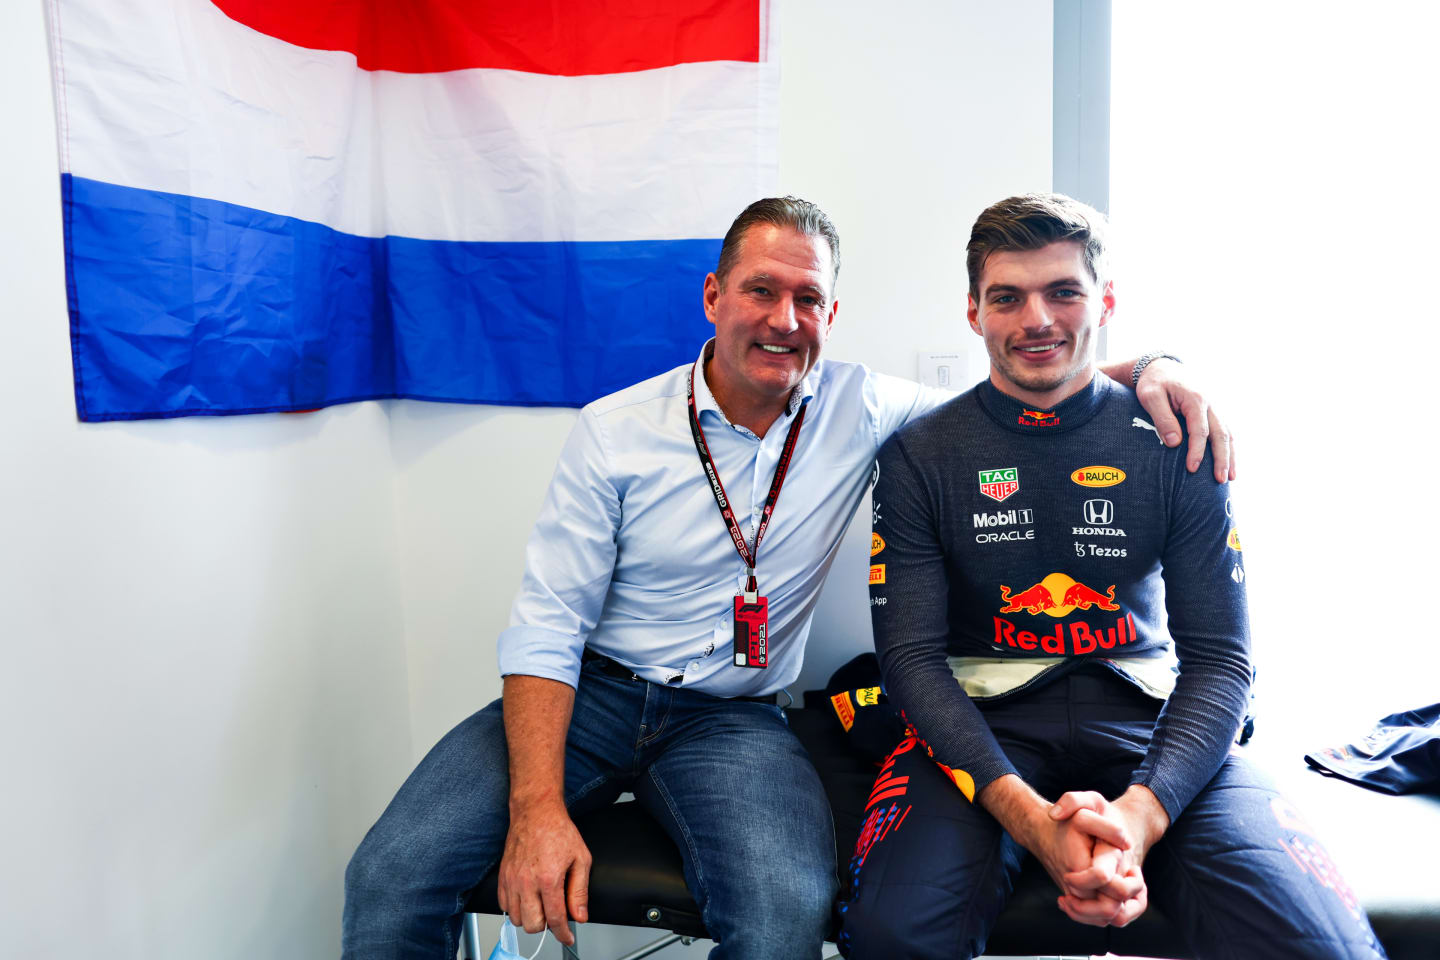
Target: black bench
[[1388, 847]]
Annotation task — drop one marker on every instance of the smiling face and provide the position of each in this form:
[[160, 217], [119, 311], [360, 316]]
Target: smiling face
[[772, 315], [1040, 312]]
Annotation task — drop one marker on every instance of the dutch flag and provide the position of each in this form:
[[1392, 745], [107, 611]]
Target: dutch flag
[[280, 206]]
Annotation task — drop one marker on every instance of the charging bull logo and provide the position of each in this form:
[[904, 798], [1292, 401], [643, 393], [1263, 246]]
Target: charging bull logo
[[1057, 595], [1038, 418]]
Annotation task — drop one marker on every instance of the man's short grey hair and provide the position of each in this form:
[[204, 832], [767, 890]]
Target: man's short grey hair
[[799, 215]]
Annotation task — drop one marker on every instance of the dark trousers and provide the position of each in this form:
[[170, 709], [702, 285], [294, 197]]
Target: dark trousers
[[1238, 871]]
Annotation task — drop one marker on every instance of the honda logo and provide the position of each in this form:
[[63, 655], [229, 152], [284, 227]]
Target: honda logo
[[1099, 512]]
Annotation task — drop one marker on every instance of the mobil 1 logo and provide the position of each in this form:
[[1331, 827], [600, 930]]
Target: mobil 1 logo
[[1003, 525]]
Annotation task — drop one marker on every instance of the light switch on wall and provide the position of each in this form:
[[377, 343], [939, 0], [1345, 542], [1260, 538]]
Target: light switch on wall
[[940, 369], [951, 369]]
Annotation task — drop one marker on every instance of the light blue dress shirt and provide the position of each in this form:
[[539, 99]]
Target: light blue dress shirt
[[631, 557]]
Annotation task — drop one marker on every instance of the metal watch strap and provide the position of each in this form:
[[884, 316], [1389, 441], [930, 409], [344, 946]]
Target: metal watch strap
[[1146, 360]]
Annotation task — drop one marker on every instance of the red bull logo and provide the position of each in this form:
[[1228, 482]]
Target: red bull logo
[[1038, 418], [1075, 639], [1057, 595]]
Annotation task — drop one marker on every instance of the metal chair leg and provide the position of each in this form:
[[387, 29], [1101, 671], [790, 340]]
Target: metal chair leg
[[470, 937], [655, 946], [571, 953]]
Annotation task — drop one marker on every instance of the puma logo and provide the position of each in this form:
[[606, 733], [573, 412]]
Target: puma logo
[[1144, 425]]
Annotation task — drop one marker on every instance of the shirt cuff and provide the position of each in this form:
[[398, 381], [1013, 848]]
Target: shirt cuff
[[988, 771], [1173, 801], [538, 652]]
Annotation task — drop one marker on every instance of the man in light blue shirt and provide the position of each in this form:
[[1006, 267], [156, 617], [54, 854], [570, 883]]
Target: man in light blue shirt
[[620, 663]]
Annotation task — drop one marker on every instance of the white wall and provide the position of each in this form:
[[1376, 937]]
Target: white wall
[[203, 694], [229, 640], [1299, 179]]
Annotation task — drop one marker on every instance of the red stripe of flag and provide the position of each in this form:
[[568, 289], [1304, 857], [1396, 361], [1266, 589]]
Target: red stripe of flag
[[570, 39]]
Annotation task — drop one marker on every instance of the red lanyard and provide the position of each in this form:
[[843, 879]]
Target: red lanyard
[[718, 489]]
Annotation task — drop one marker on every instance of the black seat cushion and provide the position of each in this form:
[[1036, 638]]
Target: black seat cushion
[[636, 878]]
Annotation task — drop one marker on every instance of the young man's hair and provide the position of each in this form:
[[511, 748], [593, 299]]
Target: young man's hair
[[1032, 221], [799, 215]]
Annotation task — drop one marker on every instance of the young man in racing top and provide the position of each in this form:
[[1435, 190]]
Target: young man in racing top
[[1031, 539]]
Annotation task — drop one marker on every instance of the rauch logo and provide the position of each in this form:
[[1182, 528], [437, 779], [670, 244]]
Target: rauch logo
[[1098, 476]]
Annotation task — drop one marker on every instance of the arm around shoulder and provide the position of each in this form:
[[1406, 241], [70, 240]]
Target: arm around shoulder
[[1163, 391]]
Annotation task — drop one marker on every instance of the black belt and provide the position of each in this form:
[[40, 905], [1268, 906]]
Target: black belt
[[621, 672]]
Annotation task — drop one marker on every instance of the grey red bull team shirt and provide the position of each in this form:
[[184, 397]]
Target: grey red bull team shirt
[[1011, 544]]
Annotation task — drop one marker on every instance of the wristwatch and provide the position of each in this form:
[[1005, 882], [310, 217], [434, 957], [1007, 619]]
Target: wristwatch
[[1145, 361]]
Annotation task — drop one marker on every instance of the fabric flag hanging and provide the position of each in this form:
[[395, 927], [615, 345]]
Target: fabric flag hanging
[[284, 206]]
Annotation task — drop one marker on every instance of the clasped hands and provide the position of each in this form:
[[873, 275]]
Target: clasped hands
[[1093, 850]]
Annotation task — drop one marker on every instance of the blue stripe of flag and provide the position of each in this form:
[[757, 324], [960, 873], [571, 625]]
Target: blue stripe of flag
[[183, 306]]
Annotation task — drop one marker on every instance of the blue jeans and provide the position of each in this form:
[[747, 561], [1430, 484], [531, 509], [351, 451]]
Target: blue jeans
[[724, 778]]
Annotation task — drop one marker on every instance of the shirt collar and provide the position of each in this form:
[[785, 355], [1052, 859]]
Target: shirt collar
[[1021, 417], [705, 400]]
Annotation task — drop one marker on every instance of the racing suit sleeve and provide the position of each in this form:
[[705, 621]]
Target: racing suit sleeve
[[909, 608], [1209, 622], [569, 560]]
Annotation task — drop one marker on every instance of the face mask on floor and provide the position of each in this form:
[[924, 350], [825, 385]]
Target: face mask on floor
[[509, 946]]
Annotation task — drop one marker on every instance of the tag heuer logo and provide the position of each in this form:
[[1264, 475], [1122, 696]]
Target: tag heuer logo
[[999, 484], [1098, 476]]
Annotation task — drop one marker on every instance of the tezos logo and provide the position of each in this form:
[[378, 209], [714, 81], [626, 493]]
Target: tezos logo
[[999, 484], [1098, 476]]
